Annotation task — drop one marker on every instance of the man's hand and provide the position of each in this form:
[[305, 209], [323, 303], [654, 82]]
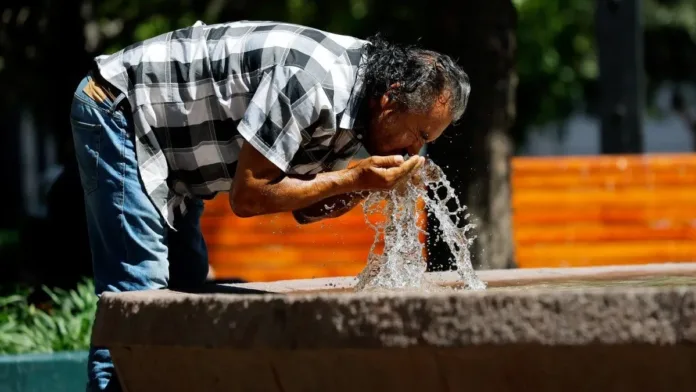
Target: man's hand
[[374, 173], [385, 172]]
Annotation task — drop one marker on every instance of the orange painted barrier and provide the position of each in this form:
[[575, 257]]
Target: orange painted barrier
[[276, 247], [602, 210], [567, 211]]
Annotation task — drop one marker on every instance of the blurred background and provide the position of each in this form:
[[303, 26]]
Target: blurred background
[[576, 148]]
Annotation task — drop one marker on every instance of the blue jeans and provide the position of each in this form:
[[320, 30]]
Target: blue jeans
[[132, 246]]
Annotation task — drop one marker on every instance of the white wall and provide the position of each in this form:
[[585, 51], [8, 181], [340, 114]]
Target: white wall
[[663, 132]]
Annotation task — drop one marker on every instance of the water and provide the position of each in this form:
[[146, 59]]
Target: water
[[402, 264]]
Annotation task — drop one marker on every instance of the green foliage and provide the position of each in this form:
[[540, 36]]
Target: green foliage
[[556, 45], [140, 20], [556, 56], [65, 324], [681, 14]]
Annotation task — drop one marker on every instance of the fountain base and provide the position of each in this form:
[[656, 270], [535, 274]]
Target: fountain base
[[579, 329]]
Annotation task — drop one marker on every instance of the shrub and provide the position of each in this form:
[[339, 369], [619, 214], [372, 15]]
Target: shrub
[[63, 324]]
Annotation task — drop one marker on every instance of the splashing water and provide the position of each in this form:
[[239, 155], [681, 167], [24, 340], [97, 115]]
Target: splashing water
[[402, 263]]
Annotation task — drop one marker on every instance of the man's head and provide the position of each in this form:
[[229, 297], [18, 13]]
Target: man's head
[[412, 94]]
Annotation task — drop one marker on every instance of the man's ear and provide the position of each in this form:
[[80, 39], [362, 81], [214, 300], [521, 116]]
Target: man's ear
[[387, 101]]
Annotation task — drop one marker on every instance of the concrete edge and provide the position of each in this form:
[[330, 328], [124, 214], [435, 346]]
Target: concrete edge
[[601, 315]]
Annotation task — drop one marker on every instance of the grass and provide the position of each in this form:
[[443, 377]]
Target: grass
[[63, 324]]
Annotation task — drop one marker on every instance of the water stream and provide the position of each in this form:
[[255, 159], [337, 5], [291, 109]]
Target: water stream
[[401, 264]]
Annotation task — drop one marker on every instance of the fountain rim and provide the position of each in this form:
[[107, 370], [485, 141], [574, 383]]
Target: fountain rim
[[325, 320], [493, 277]]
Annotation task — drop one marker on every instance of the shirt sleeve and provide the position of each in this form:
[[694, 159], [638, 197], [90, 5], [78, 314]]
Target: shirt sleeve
[[283, 114]]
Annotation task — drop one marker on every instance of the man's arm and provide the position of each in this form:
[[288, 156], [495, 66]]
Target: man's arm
[[260, 187], [331, 207]]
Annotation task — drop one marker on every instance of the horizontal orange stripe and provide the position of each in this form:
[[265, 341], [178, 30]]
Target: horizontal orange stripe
[[284, 255], [283, 224], [287, 255], [570, 181], [530, 236], [273, 267], [234, 238], [560, 263], [614, 252], [638, 198], [602, 163], [538, 216], [297, 272]]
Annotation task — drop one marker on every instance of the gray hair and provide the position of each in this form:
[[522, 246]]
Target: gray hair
[[423, 76]]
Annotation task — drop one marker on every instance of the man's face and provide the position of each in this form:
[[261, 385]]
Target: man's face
[[396, 132]]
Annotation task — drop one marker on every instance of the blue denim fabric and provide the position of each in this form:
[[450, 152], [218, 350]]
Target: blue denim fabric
[[132, 246]]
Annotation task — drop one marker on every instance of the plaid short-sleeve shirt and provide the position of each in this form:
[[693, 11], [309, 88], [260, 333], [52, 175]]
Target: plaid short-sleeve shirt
[[197, 93]]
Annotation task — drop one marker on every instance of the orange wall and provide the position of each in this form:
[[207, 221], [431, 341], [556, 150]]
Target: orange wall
[[275, 247], [567, 211], [599, 210]]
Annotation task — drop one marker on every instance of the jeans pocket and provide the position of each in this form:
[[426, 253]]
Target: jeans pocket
[[87, 141]]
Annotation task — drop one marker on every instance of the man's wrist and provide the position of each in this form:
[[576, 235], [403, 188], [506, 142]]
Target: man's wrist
[[349, 182]]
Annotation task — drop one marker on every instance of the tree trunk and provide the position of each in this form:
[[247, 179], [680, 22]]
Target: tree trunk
[[475, 155]]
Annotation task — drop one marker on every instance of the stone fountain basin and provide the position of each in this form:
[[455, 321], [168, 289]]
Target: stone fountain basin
[[579, 329]]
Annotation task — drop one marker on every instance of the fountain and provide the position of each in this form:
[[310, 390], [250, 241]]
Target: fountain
[[397, 328]]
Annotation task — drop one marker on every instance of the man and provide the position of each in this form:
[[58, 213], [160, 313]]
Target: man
[[270, 112]]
